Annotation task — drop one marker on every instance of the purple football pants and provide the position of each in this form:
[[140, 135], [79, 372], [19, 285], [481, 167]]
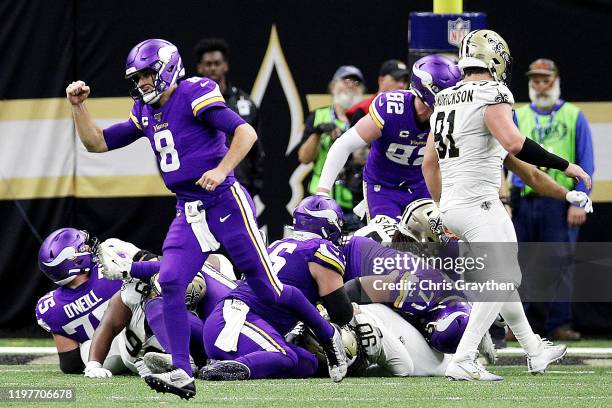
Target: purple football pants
[[390, 201], [260, 347], [230, 214], [155, 318]]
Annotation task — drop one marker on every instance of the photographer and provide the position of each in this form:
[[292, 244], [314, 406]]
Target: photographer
[[324, 125]]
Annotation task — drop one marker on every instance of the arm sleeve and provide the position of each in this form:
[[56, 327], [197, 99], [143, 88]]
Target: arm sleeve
[[535, 154], [584, 150], [71, 362], [337, 156], [144, 269], [338, 306], [222, 118], [122, 134]]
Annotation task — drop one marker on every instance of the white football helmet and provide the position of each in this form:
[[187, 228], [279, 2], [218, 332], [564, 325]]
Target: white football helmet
[[421, 221], [193, 294], [381, 229], [486, 49]]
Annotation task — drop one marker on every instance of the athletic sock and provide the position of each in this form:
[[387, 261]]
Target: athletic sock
[[514, 314], [483, 314]]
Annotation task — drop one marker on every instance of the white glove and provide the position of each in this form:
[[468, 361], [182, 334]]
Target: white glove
[[114, 265], [122, 248], [93, 369], [580, 199]]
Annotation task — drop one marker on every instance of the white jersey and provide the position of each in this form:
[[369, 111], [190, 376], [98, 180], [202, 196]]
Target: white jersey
[[134, 292], [404, 351], [471, 159]]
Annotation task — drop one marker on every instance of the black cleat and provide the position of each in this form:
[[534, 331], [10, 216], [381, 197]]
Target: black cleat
[[225, 371]]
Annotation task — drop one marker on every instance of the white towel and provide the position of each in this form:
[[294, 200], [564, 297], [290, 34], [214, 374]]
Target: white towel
[[196, 217], [360, 209], [234, 314]]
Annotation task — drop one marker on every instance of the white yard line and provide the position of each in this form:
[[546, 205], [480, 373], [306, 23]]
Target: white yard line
[[571, 351], [28, 350]]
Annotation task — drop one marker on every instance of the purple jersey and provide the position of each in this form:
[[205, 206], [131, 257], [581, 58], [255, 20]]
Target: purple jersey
[[363, 258], [76, 312], [395, 158], [218, 286], [185, 146], [290, 257]]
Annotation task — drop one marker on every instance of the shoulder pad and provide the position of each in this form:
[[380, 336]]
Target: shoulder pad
[[329, 256]]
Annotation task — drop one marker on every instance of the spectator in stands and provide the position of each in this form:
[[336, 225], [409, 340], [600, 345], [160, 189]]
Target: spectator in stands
[[393, 75], [212, 59], [323, 126], [561, 128]]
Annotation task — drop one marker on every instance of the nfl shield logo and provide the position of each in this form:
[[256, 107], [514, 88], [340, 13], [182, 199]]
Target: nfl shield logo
[[457, 29]]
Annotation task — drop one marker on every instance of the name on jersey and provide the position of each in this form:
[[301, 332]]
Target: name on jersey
[[161, 126], [460, 96], [82, 304]]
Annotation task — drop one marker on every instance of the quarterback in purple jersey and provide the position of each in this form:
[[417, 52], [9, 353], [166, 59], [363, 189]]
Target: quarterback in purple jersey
[[186, 123], [72, 312], [250, 332], [396, 129]]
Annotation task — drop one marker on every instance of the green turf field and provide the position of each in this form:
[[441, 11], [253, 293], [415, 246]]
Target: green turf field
[[563, 386]]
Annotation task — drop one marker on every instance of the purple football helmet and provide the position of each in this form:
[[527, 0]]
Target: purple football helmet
[[431, 74], [446, 324], [157, 55], [66, 253], [320, 215]]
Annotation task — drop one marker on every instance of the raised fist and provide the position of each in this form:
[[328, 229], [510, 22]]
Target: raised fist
[[77, 92]]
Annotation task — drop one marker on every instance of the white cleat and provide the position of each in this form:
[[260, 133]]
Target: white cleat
[[549, 353], [469, 369], [336, 356], [159, 363], [486, 348], [176, 382]]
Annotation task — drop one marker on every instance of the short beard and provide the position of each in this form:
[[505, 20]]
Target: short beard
[[547, 99]]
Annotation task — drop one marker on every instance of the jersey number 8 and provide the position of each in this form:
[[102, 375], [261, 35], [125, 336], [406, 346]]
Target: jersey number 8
[[169, 160]]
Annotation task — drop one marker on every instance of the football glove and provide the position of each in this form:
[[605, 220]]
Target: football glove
[[580, 199], [115, 265], [123, 248], [93, 369]]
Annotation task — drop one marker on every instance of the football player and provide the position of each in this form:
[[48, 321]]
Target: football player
[[249, 332], [396, 128], [73, 311], [472, 135], [186, 123], [209, 286], [379, 342]]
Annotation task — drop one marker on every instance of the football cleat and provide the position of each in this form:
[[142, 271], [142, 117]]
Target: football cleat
[[336, 355], [470, 369], [159, 363], [177, 382], [549, 353], [225, 371], [487, 349]]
